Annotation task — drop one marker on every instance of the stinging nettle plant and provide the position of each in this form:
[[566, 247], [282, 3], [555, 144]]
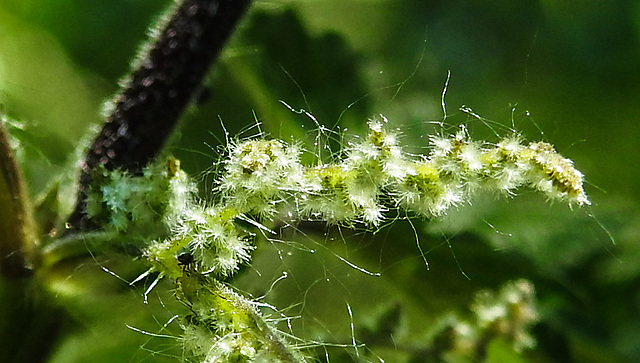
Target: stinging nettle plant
[[127, 195], [206, 245]]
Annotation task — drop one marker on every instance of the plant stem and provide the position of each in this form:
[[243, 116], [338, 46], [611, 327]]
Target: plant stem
[[17, 240], [167, 73]]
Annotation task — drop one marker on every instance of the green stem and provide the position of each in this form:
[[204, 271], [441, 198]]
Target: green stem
[[17, 241], [210, 299]]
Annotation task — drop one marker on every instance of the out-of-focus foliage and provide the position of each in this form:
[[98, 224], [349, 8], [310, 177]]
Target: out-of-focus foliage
[[563, 72]]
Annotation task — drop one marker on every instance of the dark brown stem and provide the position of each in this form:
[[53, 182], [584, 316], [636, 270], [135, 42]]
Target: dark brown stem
[[159, 89]]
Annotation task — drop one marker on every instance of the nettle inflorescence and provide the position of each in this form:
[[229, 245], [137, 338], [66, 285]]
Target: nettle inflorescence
[[260, 176], [504, 317], [376, 175], [144, 206]]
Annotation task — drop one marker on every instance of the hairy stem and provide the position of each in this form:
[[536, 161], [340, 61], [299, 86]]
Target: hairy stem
[[228, 324], [166, 75]]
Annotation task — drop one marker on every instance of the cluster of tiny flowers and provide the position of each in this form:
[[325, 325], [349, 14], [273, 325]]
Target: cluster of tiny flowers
[[350, 190], [210, 237], [507, 315], [148, 205], [217, 331], [374, 176], [257, 173], [225, 327], [466, 166], [203, 242]]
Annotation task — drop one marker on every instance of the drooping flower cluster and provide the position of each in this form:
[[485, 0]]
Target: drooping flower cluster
[[145, 206], [225, 327], [260, 177], [374, 176], [509, 314], [506, 316]]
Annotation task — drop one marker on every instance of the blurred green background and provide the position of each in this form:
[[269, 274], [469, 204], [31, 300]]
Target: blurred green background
[[563, 72]]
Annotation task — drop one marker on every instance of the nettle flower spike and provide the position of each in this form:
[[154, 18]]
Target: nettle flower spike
[[257, 174], [147, 205], [207, 242], [423, 190], [374, 176], [505, 165], [262, 174], [376, 169], [225, 327], [350, 190], [506, 315], [555, 175]]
